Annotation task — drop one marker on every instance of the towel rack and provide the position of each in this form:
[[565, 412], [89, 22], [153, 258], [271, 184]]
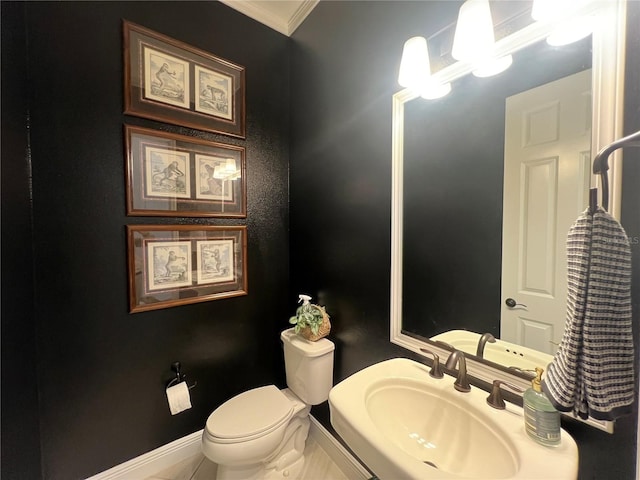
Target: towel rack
[[601, 165]]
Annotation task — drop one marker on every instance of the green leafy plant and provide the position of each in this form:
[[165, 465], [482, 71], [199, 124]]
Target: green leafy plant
[[308, 315]]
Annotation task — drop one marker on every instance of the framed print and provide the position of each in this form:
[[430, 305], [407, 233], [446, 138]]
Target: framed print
[[175, 175], [213, 96], [171, 265], [170, 81]]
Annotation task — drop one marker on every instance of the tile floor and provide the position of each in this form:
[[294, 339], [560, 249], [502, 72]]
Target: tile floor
[[318, 466]]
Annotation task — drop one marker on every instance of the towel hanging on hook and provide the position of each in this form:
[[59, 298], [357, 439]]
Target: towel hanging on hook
[[601, 165], [593, 369], [593, 200]]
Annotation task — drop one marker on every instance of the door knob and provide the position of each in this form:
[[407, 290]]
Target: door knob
[[510, 302]]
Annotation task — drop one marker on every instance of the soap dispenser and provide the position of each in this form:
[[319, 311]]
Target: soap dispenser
[[541, 419]]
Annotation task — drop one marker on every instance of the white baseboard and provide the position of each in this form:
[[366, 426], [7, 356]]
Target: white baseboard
[[349, 465], [164, 457], [154, 461]]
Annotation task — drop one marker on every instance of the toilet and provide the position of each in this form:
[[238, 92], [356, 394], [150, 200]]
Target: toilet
[[261, 433]]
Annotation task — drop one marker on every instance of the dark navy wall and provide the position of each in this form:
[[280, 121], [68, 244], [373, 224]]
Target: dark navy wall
[[67, 339], [101, 371], [20, 425], [345, 60]]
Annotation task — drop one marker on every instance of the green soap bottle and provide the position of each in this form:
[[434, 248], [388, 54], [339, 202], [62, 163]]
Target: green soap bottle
[[541, 419]]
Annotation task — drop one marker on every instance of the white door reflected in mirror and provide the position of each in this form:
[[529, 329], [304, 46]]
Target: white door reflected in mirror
[[547, 165]]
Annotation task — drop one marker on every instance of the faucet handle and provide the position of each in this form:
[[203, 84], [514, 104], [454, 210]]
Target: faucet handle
[[444, 344], [495, 398], [436, 371]]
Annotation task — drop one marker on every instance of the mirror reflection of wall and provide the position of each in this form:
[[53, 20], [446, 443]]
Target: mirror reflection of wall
[[453, 193]]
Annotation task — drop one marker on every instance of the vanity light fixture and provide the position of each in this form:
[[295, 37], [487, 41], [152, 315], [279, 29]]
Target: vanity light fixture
[[568, 27], [415, 70], [474, 40]]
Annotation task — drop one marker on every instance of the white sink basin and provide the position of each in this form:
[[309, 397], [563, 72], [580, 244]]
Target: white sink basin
[[404, 424], [435, 428], [501, 352]]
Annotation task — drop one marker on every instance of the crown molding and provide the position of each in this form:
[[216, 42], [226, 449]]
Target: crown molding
[[272, 14], [303, 10]]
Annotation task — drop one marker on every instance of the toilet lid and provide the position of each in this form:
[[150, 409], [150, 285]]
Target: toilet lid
[[250, 413]]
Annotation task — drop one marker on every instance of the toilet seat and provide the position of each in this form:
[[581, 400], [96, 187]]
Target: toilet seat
[[251, 414]]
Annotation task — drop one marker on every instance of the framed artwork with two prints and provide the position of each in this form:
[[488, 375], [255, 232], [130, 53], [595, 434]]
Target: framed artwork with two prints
[[175, 175], [170, 81], [171, 265]]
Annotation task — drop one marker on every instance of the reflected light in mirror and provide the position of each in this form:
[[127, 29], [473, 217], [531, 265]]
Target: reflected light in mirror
[[226, 171], [474, 40]]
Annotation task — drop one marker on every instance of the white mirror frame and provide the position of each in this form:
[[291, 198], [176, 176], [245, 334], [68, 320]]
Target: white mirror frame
[[608, 43]]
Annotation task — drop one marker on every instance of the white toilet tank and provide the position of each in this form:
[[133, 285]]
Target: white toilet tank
[[309, 366]]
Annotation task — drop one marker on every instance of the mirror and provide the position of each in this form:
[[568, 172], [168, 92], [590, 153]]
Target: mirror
[[438, 196], [542, 107]]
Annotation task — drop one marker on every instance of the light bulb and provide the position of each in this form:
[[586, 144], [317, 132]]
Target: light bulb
[[414, 66], [569, 26], [546, 10], [473, 37], [432, 90], [474, 40], [415, 70], [571, 30], [493, 66]]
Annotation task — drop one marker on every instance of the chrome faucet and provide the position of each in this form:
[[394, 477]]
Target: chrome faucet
[[486, 337], [462, 383]]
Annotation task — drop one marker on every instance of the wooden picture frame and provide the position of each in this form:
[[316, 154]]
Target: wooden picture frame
[[175, 175], [172, 265], [170, 81]]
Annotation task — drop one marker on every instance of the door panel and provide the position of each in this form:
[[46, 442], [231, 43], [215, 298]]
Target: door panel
[[546, 183]]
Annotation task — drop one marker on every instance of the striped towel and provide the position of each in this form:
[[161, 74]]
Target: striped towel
[[592, 373]]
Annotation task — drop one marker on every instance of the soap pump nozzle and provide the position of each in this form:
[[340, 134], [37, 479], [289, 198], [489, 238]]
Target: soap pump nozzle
[[536, 383]]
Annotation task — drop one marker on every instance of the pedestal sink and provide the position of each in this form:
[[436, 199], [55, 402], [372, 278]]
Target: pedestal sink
[[404, 424]]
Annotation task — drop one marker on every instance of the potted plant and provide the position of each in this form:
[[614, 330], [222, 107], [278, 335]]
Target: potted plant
[[311, 321]]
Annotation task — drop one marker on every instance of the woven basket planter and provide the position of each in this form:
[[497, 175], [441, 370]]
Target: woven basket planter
[[323, 331]]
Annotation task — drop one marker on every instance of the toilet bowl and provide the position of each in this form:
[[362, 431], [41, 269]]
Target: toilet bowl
[[261, 433]]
